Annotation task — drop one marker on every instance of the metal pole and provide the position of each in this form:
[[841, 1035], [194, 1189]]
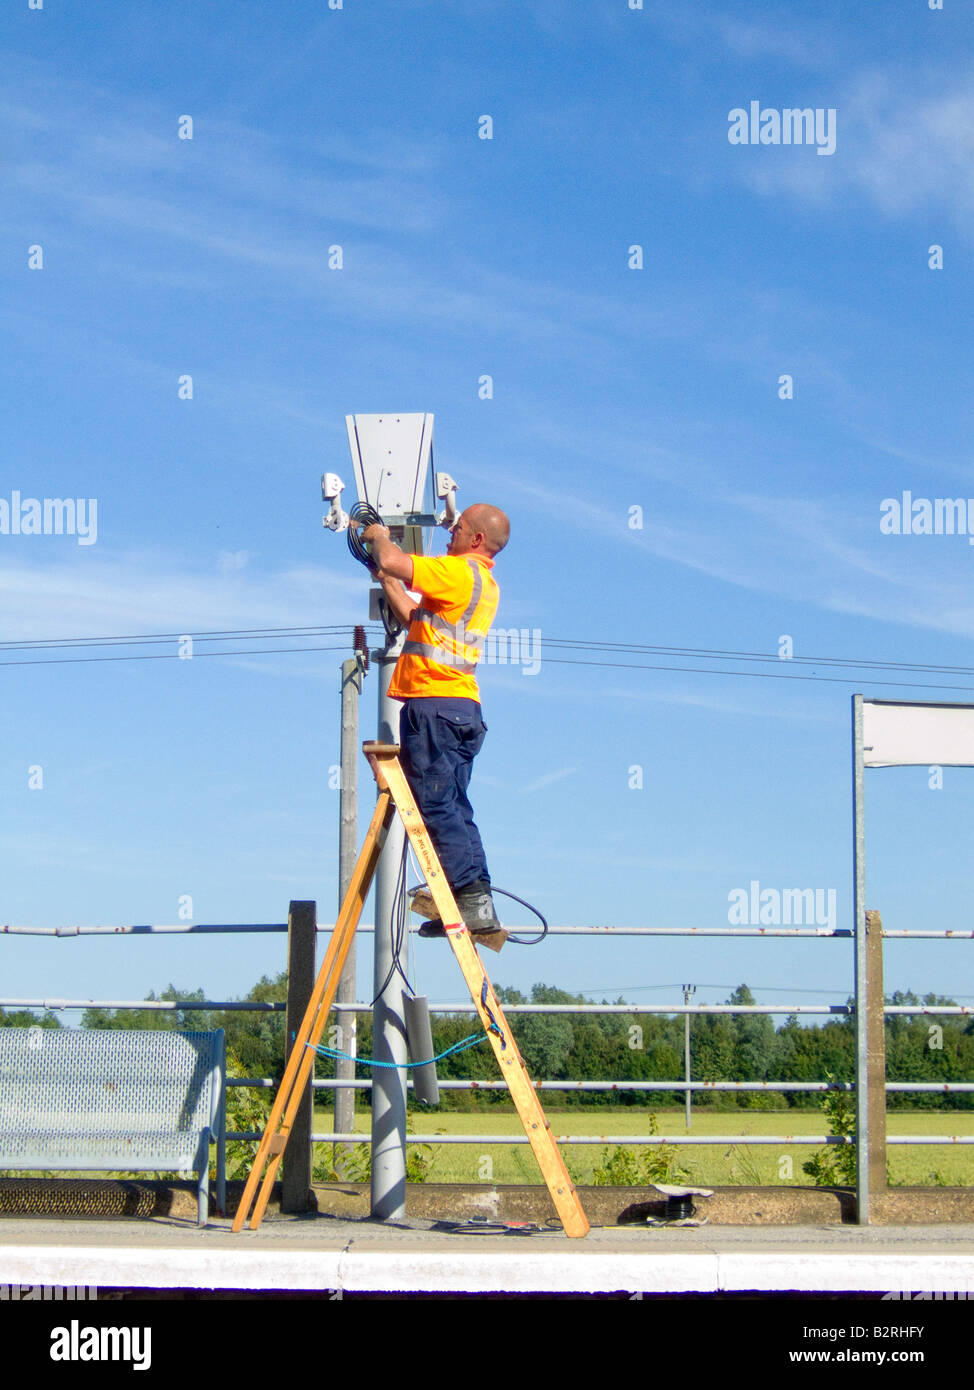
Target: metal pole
[[688, 990], [861, 968], [352, 673], [388, 1024]]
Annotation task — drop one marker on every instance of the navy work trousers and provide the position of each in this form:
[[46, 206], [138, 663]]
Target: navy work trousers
[[440, 738]]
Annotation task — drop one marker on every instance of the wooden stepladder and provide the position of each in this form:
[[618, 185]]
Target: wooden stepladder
[[395, 795]]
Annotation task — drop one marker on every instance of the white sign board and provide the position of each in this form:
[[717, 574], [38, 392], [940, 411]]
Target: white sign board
[[392, 457], [898, 735]]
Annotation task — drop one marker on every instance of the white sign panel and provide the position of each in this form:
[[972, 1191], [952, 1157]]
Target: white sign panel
[[897, 735], [391, 455]]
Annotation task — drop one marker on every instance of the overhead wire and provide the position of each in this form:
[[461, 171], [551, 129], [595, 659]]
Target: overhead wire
[[137, 638], [868, 666], [175, 656], [580, 643]]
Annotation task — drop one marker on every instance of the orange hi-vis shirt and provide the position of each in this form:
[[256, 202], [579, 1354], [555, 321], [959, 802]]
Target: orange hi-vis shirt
[[446, 637]]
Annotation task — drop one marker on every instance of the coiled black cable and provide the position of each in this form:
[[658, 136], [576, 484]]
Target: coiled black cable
[[366, 515]]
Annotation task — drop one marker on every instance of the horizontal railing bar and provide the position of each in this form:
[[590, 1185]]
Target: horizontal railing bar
[[619, 1139], [928, 1009], [623, 1140], [145, 930], [465, 1008], [964, 935], [331, 1084], [204, 1005], [691, 931], [187, 1005], [204, 928], [930, 1139], [926, 1085], [256, 1006]]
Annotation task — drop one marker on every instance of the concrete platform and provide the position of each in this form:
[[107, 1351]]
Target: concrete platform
[[321, 1255]]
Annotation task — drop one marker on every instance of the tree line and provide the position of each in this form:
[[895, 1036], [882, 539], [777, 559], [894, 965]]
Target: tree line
[[601, 1047]]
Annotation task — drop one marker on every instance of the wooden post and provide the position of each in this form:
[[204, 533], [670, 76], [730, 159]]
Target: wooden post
[[302, 929], [876, 1053]]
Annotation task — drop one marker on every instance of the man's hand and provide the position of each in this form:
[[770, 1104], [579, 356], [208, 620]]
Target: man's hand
[[371, 533], [387, 555]]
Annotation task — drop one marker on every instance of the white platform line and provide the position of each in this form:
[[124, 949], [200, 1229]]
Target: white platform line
[[518, 1270]]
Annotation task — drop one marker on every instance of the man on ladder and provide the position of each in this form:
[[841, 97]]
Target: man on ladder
[[441, 724]]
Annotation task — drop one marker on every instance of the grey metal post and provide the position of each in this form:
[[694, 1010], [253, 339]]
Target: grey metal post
[[688, 990], [861, 968], [302, 929], [344, 1104], [388, 1024]]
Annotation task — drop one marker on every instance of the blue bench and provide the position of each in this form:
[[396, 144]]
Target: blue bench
[[99, 1100]]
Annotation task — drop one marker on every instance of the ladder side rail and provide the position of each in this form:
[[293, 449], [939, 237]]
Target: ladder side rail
[[296, 1072]]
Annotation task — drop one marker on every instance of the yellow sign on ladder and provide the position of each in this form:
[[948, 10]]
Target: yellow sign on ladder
[[395, 795]]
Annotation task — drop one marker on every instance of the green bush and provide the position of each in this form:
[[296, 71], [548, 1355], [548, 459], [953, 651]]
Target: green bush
[[835, 1165], [625, 1167]]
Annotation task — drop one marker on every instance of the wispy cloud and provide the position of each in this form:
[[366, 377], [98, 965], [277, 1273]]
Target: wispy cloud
[[106, 595], [904, 144], [827, 553], [549, 778]]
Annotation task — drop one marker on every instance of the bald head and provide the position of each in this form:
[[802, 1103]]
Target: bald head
[[492, 523]]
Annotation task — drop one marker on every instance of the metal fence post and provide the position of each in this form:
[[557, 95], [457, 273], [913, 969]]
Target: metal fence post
[[861, 967], [302, 927], [344, 1101], [388, 1183]]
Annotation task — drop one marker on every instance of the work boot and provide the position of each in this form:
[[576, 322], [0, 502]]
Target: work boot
[[476, 908]]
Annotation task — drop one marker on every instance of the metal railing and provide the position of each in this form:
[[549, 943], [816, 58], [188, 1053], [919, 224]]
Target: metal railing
[[876, 1142]]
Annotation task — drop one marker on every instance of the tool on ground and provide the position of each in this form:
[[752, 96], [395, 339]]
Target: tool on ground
[[395, 796]]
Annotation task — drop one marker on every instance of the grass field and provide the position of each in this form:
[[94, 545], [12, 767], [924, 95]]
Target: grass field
[[737, 1163]]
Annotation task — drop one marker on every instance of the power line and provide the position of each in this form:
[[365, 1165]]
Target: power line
[[146, 638], [174, 656], [707, 653], [594, 646], [128, 640], [576, 643], [758, 675]]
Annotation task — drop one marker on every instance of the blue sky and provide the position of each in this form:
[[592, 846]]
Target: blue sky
[[613, 388]]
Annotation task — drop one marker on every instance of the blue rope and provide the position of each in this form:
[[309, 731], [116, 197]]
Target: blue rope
[[460, 1046]]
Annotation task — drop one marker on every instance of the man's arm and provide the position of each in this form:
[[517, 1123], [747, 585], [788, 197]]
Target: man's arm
[[403, 606]]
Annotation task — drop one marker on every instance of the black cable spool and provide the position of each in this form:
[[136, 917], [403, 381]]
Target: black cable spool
[[679, 1208]]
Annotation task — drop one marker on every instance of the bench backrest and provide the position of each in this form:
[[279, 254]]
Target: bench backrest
[[100, 1081]]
